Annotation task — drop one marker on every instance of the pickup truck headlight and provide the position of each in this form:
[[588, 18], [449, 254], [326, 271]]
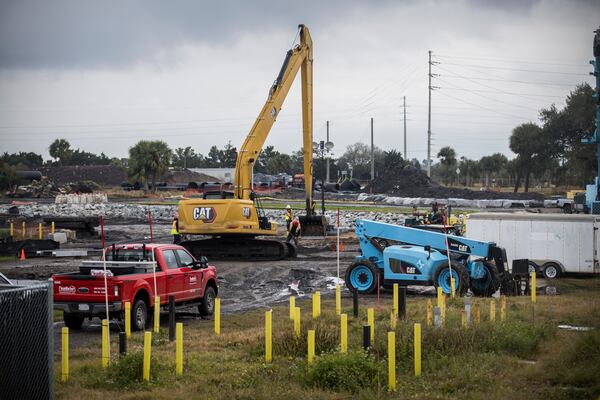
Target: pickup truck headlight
[[116, 290]]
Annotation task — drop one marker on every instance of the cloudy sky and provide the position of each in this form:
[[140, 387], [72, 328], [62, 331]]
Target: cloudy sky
[[105, 74]]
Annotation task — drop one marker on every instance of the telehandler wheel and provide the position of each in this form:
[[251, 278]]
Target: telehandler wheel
[[489, 284], [361, 277], [461, 278]]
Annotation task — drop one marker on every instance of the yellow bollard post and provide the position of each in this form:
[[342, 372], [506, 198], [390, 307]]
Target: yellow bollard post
[[316, 304], [429, 313], [338, 299], [391, 361], [292, 307], [440, 293], [156, 314], [40, 231], [395, 300], [443, 310], [477, 314], [297, 321], [503, 308], [52, 228], [147, 353], [12, 229], [463, 319], [268, 336], [105, 344], [452, 283], [64, 376], [23, 230], [179, 348], [371, 322], [492, 310], [393, 320], [128, 319], [533, 287], [217, 316], [311, 347], [417, 341], [344, 333]]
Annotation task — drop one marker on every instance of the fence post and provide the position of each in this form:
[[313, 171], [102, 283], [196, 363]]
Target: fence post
[[52, 228], [292, 307], [128, 319], [344, 333], [147, 353], [122, 343], [477, 312], [440, 293], [311, 346], [217, 316], [171, 318], [533, 287], [64, 376], [268, 336], [391, 361], [417, 342], [371, 321], [179, 348], [338, 299], [366, 337], [452, 288], [297, 316], [395, 300], [156, 314], [429, 313]]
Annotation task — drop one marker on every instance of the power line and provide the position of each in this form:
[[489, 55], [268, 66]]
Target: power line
[[517, 69], [513, 61]]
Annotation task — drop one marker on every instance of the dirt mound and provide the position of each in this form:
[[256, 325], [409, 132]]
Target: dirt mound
[[411, 182], [186, 176], [104, 175]]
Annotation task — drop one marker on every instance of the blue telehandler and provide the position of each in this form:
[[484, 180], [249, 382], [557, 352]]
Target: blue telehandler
[[408, 256]]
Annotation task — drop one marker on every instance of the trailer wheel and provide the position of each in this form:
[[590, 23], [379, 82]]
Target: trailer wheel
[[361, 277], [461, 278], [73, 321], [139, 315], [551, 271], [489, 284]]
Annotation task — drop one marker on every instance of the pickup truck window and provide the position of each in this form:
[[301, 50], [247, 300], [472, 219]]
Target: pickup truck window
[[128, 255], [170, 259], [185, 258]]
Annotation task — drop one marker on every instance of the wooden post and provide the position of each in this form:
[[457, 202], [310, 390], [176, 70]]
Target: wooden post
[[297, 321], [492, 310], [316, 304], [128, 319], [52, 228], [40, 233], [452, 288], [533, 287], [440, 293], [311, 346], [292, 307], [477, 314]]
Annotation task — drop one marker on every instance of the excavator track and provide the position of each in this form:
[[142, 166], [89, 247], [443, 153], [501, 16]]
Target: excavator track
[[243, 249]]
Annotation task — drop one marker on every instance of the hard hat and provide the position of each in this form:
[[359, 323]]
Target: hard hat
[[288, 207]]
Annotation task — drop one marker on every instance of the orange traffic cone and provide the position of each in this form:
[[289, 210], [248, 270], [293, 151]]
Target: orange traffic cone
[[22, 255]]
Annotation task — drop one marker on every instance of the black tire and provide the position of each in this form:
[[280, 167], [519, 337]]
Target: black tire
[[139, 316], [207, 307], [551, 270], [363, 271], [489, 284], [463, 277], [73, 321], [532, 267], [567, 209]]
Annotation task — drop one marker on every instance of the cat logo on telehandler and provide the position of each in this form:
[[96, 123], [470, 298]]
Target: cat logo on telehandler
[[204, 214]]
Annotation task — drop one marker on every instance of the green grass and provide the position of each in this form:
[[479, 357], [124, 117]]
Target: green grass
[[516, 358]]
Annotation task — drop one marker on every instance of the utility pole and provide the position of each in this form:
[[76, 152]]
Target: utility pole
[[372, 154], [405, 156], [429, 123], [327, 177]]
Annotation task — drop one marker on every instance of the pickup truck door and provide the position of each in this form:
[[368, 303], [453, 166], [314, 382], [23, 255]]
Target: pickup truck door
[[193, 277], [175, 276]]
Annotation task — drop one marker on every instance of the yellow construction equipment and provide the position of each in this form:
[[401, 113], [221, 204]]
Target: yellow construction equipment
[[233, 220]]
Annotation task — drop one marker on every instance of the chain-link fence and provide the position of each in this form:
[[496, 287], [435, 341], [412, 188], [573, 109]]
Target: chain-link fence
[[26, 342]]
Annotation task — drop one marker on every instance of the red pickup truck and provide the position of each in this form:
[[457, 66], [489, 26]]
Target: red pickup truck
[[130, 278]]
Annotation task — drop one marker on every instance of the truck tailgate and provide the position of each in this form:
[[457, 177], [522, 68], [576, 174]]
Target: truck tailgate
[[84, 288]]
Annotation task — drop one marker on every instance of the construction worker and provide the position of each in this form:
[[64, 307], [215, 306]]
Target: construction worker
[[175, 230], [435, 217], [289, 216], [294, 231]]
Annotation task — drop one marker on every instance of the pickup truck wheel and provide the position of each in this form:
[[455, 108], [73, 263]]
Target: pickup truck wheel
[[208, 302], [73, 321], [139, 315]]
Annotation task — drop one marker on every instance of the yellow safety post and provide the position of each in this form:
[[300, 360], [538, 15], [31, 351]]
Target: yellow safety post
[[147, 350], [533, 287], [371, 322], [40, 231], [338, 299], [156, 314], [52, 228], [269, 336], [292, 307], [492, 310], [395, 300], [417, 342], [452, 283], [477, 314], [105, 344], [217, 316], [12, 229], [128, 319], [443, 310], [429, 313], [344, 333], [440, 293], [393, 320], [502, 308], [316, 298], [463, 319], [391, 361], [297, 321], [311, 347], [179, 348], [23, 230], [64, 376]]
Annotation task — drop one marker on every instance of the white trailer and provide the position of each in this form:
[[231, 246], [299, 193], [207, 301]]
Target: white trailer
[[553, 243]]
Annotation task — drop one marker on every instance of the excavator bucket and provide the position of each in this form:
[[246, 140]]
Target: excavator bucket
[[313, 225]]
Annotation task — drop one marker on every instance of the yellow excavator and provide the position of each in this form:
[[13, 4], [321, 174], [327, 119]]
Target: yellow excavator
[[233, 220]]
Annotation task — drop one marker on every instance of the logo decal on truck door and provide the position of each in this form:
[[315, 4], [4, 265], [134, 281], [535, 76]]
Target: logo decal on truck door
[[205, 214]]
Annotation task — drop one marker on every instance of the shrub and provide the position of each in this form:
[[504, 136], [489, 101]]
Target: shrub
[[353, 371]]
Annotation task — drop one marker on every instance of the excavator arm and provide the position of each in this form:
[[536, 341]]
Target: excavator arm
[[298, 58]]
